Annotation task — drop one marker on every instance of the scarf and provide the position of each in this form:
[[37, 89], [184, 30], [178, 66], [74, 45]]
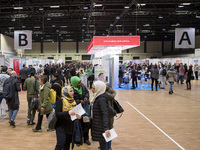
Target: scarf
[[75, 81], [68, 102], [100, 88]]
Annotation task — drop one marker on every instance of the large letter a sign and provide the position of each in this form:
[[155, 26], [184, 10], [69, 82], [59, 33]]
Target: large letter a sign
[[23, 39], [185, 38]]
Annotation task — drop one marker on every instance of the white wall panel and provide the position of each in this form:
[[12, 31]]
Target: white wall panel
[[7, 45], [36, 46], [49, 47]]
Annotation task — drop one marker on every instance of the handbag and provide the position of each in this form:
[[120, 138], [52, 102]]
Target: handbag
[[111, 112], [117, 107], [52, 119]]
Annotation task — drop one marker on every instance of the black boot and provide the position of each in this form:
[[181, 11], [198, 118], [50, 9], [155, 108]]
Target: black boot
[[12, 123]]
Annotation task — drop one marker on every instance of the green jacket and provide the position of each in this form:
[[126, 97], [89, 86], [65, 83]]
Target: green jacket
[[44, 99], [29, 85]]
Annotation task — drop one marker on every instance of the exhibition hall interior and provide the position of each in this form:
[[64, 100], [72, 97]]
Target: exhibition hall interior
[[99, 74]]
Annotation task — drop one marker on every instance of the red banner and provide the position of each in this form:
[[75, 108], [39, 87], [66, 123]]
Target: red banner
[[16, 66]]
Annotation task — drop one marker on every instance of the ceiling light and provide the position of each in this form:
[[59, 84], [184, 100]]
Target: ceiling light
[[11, 28], [37, 27], [145, 36], [146, 25], [13, 19], [18, 7], [111, 25], [85, 8], [185, 4], [83, 30], [48, 19], [126, 7], [63, 26], [180, 6], [83, 25], [118, 25], [54, 6], [160, 17], [84, 18], [142, 4], [197, 16], [91, 25], [164, 29], [23, 27], [53, 26], [117, 17], [41, 8], [98, 5], [57, 30]]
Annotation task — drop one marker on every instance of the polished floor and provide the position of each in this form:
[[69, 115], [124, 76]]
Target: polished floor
[[153, 120]]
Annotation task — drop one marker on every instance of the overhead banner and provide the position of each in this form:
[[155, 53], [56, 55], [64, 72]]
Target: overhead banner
[[23, 39], [185, 38]]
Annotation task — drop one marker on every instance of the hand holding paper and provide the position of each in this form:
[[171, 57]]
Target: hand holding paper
[[77, 110], [113, 135]]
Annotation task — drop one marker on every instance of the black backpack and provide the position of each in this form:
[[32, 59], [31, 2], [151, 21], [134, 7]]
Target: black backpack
[[34, 104], [8, 90], [164, 72]]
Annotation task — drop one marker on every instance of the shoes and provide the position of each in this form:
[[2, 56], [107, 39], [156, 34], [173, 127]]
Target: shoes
[[35, 130], [32, 123], [12, 123], [78, 145], [170, 92], [87, 142], [28, 122], [50, 130], [133, 88]]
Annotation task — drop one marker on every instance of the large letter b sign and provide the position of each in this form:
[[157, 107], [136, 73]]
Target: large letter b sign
[[23, 39], [185, 38]]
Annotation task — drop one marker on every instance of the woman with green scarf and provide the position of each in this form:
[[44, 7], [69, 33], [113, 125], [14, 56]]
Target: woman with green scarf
[[81, 95], [64, 124]]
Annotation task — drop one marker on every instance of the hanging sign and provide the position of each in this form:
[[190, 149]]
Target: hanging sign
[[185, 38], [23, 39]]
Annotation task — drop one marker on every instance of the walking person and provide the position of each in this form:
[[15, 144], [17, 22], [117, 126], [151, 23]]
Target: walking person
[[181, 73], [23, 75], [196, 71], [121, 74], [13, 103], [171, 78], [99, 114], [134, 76], [189, 77], [162, 73], [154, 77], [64, 125], [45, 105], [32, 86]]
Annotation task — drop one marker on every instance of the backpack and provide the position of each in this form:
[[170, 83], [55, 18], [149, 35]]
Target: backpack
[[8, 90], [34, 104], [53, 95], [164, 73]]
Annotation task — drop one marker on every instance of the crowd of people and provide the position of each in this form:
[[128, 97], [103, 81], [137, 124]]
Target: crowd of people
[[38, 81], [160, 74]]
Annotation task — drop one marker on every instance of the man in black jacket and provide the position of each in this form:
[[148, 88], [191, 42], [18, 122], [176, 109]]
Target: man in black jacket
[[23, 75], [134, 75], [57, 85], [121, 74], [13, 104]]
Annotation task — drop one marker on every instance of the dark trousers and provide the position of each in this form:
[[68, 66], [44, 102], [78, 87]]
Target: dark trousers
[[156, 83], [31, 113], [39, 123], [196, 75], [63, 141], [85, 128], [103, 145], [22, 81], [134, 82]]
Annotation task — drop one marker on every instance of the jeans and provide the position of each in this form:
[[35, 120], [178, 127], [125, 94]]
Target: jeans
[[162, 80], [103, 145], [63, 141], [134, 82], [181, 77], [12, 114], [40, 118], [177, 77], [109, 145], [156, 83], [170, 88]]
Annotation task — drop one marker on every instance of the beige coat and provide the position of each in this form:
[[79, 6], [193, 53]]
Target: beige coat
[[171, 76]]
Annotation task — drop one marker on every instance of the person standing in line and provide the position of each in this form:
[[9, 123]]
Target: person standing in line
[[81, 95], [3, 77], [13, 104], [67, 75], [32, 86], [45, 105], [134, 76], [23, 75], [189, 77], [99, 114], [181, 72], [171, 78], [90, 73], [121, 74], [162, 73], [64, 124], [154, 77], [196, 71]]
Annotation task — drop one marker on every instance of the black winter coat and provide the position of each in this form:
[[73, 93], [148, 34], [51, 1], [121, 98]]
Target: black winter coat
[[57, 88], [85, 94], [14, 102], [100, 121], [64, 123]]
